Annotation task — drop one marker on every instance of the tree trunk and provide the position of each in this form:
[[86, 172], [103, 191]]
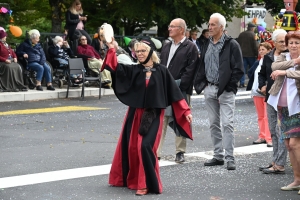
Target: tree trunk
[[57, 15]]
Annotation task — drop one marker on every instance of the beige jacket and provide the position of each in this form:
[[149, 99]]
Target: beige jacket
[[282, 64]]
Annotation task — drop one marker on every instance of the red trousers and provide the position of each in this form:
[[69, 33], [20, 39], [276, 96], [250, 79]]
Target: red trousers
[[261, 110]]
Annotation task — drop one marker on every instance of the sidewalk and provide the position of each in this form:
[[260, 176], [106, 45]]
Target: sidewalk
[[33, 95], [60, 93]]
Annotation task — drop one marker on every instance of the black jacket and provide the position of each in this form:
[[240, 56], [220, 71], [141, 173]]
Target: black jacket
[[197, 43], [183, 64], [96, 44], [71, 23], [202, 40], [56, 52], [251, 75], [265, 72], [231, 67]]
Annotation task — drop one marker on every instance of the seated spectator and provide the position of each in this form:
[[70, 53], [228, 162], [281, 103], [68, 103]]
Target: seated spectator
[[130, 50], [32, 50], [11, 78], [99, 45], [61, 51], [122, 55], [94, 61]]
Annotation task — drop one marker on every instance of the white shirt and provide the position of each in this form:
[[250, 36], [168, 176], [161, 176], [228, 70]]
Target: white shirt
[[293, 99], [173, 49], [255, 81]]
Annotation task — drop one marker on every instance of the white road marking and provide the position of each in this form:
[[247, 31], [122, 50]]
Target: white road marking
[[29, 179]]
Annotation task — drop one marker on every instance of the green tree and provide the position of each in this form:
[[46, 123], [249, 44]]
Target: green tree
[[128, 17], [274, 6], [133, 16]]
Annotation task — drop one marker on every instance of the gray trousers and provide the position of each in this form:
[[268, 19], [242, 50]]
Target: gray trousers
[[279, 149], [221, 112]]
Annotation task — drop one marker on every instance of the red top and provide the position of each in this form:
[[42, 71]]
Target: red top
[[5, 52], [87, 50]]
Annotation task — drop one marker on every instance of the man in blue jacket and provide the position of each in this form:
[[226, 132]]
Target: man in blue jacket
[[32, 50], [221, 67]]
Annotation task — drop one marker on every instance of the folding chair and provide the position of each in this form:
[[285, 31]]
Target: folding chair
[[76, 67]]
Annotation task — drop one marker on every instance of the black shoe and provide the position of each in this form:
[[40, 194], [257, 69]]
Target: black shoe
[[179, 157], [242, 86], [259, 141], [213, 162], [158, 158], [269, 144], [105, 82], [39, 87], [50, 87], [274, 170], [265, 167], [230, 165], [105, 86], [24, 89], [15, 90]]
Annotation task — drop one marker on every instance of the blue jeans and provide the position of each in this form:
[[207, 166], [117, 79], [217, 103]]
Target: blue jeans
[[62, 62], [41, 71], [248, 61]]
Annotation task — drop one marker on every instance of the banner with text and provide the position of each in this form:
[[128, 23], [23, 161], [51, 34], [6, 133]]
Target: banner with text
[[259, 13]]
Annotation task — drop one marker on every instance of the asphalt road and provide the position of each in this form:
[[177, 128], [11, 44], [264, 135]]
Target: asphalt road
[[76, 139]]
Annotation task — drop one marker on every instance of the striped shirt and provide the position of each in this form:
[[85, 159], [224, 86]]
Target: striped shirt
[[212, 59]]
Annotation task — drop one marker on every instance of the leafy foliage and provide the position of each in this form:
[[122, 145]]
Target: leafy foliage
[[129, 17]]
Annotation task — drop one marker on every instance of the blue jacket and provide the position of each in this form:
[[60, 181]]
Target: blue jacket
[[35, 53]]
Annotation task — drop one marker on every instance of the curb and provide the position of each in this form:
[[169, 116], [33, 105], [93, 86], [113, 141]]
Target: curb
[[33, 95]]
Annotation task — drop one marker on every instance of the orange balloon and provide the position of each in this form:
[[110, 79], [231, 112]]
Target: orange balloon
[[15, 30]]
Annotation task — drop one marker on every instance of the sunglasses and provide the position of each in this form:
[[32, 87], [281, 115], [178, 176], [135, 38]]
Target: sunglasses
[[83, 39]]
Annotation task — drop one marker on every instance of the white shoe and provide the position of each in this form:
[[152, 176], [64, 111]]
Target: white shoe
[[291, 188]]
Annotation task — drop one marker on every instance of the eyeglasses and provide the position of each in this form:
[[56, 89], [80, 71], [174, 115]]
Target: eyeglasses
[[280, 42], [140, 51], [171, 26], [83, 39]]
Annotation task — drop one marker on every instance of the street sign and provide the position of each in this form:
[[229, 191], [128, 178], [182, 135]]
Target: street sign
[[259, 13]]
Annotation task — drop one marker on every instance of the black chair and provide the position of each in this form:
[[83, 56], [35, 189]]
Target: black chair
[[76, 66]]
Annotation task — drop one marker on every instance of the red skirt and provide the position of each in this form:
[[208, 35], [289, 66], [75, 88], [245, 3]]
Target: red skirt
[[135, 164]]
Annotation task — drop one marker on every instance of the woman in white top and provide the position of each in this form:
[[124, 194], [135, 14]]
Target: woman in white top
[[259, 98], [284, 97]]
